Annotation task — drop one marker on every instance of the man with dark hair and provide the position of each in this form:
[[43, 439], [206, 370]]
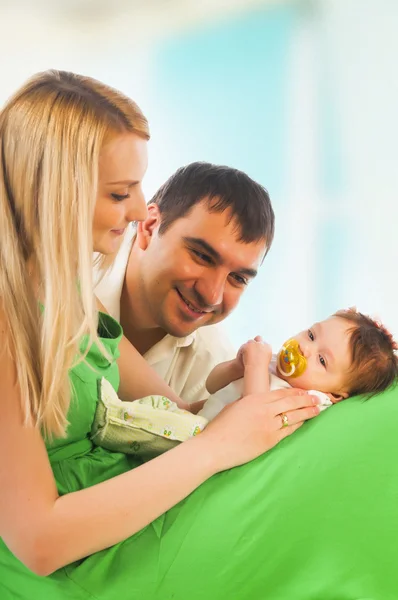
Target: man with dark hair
[[185, 267]]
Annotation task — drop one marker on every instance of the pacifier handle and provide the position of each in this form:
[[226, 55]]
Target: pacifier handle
[[280, 366], [290, 355]]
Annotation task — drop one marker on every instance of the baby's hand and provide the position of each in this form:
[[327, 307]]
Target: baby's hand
[[255, 352]]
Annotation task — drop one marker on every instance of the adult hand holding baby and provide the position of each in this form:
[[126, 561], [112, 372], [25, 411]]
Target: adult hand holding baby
[[253, 425]]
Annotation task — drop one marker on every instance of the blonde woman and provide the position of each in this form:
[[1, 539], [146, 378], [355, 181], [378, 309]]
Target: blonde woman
[[73, 156]]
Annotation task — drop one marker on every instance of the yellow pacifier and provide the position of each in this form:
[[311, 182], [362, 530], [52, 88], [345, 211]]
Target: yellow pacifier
[[290, 361]]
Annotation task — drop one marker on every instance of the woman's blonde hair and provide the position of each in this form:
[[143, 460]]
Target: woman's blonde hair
[[51, 134]]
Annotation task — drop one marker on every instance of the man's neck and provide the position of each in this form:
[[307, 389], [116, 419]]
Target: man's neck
[[132, 314], [142, 339]]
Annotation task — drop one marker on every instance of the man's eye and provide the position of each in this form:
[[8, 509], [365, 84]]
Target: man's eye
[[311, 335], [239, 279], [201, 256], [120, 197], [322, 361]]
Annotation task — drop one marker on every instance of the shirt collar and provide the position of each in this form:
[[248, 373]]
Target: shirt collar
[[186, 341], [167, 345]]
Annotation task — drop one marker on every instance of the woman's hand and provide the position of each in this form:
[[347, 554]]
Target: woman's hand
[[251, 426]]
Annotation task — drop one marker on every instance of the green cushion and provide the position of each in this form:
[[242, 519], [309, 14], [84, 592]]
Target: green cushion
[[314, 519]]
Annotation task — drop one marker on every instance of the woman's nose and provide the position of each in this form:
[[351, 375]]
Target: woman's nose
[[137, 209]]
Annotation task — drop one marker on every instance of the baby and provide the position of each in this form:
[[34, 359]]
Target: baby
[[345, 355]]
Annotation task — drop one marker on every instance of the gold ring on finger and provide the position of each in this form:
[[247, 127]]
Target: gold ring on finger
[[285, 420]]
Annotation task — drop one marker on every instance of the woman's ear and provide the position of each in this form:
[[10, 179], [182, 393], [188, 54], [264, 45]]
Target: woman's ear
[[145, 229], [338, 397]]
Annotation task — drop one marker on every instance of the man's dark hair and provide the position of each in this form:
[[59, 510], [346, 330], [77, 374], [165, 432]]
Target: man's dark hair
[[222, 188]]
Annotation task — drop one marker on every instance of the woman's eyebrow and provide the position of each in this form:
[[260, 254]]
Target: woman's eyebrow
[[128, 182]]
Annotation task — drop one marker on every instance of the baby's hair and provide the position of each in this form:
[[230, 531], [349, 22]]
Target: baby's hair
[[374, 365]]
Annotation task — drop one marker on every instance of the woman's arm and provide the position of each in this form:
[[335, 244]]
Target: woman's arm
[[137, 378], [46, 531]]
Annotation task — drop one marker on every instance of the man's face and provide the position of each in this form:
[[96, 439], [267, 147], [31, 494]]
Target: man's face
[[195, 272]]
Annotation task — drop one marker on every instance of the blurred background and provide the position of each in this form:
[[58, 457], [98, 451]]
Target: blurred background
[[300, 94]]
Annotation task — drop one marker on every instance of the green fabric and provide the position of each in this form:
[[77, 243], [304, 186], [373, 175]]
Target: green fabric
[[314, 519]]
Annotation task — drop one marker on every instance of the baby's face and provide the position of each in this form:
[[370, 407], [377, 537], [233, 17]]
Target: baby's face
[[326, 347]]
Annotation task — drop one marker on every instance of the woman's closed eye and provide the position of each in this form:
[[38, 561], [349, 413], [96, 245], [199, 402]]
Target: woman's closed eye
[[120, 197]]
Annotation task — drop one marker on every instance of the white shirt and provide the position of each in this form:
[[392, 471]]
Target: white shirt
[[183, 363]]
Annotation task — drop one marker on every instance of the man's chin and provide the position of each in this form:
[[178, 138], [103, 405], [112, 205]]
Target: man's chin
[[180, 331], [183, 329]]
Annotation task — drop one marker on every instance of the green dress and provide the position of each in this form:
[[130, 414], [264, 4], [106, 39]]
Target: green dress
[[316, 518]]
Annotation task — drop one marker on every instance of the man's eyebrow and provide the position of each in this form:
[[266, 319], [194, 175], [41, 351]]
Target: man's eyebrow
[[201, 243], [206, 247], [249, 272]]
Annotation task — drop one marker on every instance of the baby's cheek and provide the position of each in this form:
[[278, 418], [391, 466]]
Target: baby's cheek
[[303, 382]]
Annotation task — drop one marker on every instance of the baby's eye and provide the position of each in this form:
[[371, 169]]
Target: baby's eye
[[322, 361], [311, 335]]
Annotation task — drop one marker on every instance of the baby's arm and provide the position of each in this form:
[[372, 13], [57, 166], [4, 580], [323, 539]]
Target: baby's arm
[[251, 363], [224, 374], [255, 356]]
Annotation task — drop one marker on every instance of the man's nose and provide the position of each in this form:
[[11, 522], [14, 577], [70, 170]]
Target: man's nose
[[211, 288]]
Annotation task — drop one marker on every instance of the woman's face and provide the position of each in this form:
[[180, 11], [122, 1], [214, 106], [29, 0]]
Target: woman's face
[[122, 166]]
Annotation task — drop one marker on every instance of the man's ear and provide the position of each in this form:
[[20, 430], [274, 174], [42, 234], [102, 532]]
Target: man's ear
[[338, 397], [145, 229]]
